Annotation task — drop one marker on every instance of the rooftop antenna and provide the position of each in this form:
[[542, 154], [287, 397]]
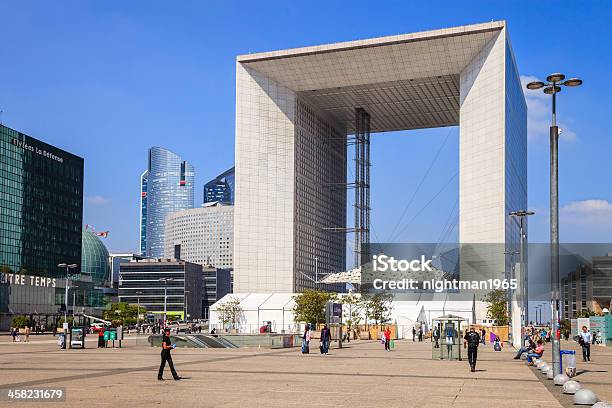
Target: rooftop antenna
[[1, 112]]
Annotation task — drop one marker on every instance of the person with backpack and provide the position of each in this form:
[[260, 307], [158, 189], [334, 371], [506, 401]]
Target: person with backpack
[[471, 341], [306, 340]]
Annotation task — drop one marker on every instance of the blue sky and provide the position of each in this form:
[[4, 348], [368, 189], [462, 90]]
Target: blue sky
[[106, 80]]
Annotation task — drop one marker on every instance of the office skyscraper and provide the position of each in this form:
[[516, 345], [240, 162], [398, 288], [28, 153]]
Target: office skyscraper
[[166, 187], [221, 188], [202, 235]]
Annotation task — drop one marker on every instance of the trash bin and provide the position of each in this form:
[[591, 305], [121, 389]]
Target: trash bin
[[568, 362], [61, 340]]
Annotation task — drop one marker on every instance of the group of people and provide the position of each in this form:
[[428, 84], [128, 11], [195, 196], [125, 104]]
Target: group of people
[[534, 349], [16, 334], [324, 342], [535, 340], [325, 339]]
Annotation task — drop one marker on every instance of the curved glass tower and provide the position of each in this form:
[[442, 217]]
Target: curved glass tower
[[167, 186]]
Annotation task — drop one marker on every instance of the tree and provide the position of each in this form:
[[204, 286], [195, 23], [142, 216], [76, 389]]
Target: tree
[[230, 312], [354, 306], [70, 321], [20, 322], [123, 313], [378, 307], [497, 307], [585, 313], [310, 306]]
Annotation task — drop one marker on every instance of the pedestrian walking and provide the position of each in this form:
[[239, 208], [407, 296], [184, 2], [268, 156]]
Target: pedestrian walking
[[436, 336], [26, 331], [421, 333], [483, 336], [325, 339], [101, 338], [585, 340], [306, 340], [471, 342], [166, 357], [413, 334], [387, 335], [13, 333]]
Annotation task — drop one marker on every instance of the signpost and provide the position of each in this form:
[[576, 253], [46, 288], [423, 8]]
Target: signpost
[[333, 313]]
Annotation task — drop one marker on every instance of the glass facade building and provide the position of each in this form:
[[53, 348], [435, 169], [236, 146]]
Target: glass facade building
[[41, 214], [166, 187], [221, 188], [139, 282], [144, 180]]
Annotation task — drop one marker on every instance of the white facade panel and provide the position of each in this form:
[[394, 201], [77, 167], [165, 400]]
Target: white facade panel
[[265, 184]]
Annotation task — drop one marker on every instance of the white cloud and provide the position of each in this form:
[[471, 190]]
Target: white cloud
[[539, 113], [96, 200], [588, 213]]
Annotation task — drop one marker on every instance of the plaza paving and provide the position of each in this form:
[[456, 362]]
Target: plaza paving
[[361, 374]]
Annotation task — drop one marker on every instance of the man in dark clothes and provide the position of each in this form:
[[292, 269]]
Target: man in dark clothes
[[325, 339], [165, 356], [471, 341]]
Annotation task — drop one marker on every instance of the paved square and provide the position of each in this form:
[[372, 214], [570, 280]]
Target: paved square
[[361, 374]]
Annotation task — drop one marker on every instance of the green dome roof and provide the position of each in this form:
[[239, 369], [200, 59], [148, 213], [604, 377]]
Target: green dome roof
[[94, 258]]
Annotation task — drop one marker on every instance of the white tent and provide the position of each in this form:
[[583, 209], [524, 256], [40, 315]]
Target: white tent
[[277, 308], [257, 309]]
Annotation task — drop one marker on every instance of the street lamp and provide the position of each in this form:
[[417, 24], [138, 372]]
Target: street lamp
[[185, 302], [68, 267], [509, 291], [165, 280], [525, 280], [553, 87], [138, 293], [73, 300]]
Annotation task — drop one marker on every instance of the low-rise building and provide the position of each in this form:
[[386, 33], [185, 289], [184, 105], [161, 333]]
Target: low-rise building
[[153, 283]]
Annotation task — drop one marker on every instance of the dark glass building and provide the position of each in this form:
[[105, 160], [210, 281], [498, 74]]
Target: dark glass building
[[142, 281], [216, 283], [41, 211], [221, 188]]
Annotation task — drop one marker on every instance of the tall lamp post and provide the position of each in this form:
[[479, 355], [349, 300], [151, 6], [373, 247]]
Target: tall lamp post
[[68, 267], [138, 293], [165, 280], [187, 292], [525, 280], [73, 300], [552, 86]]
